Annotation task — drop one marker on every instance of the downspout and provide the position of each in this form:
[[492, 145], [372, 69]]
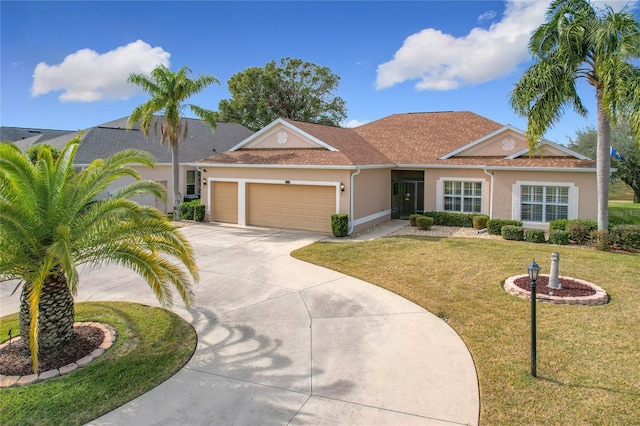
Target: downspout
[[490, 198], [351, 226]]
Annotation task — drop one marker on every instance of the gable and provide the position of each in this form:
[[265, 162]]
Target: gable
[[282, 135]]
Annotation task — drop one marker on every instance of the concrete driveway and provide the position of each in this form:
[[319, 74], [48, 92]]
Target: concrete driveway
[[283, 342]]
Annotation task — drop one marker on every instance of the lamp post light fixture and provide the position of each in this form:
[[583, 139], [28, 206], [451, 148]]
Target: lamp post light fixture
[[533, 270]]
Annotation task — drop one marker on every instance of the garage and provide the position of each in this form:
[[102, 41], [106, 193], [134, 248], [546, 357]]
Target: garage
[[224, 202], [304, 207]]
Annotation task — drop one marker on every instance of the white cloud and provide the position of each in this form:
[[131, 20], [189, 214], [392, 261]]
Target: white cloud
[[444, 62], [87, 76], [354, 123], [487, 16]]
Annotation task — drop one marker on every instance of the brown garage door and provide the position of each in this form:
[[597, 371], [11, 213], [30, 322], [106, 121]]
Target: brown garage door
[[224, 202], [304, 207]]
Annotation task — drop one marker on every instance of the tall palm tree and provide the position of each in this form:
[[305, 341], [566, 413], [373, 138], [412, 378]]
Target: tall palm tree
[[52, 221], [169, 90], [580, 42]]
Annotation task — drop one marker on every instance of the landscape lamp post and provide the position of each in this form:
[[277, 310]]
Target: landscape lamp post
[[534, 270]]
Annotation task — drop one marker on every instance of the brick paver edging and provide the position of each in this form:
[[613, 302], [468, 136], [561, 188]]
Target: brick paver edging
[[600, 298], [110, 335]]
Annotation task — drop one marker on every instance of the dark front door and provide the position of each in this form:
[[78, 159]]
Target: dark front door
[[407, 195]]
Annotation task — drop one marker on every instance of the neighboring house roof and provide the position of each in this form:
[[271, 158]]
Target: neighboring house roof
[[108, 138], [436, 139], [25, 136]]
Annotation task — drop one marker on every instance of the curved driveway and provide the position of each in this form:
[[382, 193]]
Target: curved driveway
[[283, 342]]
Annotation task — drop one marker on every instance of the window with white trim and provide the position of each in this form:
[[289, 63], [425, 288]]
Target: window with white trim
[[192, 182], [462, 197], [544, 203]]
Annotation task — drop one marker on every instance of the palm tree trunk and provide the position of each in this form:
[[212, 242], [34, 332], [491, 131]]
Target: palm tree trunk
[[56, 314], [175, 164], [603, 162]]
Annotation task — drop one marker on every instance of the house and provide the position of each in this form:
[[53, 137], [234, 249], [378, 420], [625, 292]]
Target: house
[[296, 175], [108, 138]]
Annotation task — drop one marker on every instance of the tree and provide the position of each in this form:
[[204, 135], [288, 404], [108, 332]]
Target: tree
[[627, 170], [293, 89], [578, 41], [169, 91], [32, 151], [51, 222]]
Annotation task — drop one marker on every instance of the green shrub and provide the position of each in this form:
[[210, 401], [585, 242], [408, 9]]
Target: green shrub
[[480, 221], [534, 236], [198, 212], [424, 222], [557, 236], [494, 226], [412, 219], [560, 224], [340, 224], [580, 229], [601, 240], [451, 218], [626, 237], [512, 232], [186, 209]]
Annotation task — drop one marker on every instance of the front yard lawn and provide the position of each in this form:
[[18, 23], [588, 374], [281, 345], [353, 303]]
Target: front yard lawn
[[588, 356]]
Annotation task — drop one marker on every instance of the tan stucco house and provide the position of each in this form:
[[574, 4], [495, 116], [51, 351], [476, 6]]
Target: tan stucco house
[[295, 175]]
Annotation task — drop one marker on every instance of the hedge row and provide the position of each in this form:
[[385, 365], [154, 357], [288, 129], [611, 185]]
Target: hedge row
[[192, 210]]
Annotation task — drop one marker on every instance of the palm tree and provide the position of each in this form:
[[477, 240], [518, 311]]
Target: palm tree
[[168, 92], [52, 220], [578, 41]]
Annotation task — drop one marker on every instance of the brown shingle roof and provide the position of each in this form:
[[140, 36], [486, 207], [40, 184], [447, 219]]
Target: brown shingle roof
[[414, 138]]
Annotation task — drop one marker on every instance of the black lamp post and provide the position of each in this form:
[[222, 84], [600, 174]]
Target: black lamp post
[[534, 270]]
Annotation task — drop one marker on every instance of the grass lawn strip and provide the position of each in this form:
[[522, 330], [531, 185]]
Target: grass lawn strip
[[588, 356], [152, 345]]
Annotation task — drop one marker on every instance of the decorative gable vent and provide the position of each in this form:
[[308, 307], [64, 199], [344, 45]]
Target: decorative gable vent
[[282, 137]]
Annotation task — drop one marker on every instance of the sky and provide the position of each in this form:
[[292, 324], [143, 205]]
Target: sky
[[64, 65]]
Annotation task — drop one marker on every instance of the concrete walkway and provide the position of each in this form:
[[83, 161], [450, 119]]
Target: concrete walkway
[[283, 342]]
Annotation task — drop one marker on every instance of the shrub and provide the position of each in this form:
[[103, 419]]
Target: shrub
[[580, 229], [451, 218], [412, 219], [424, 222], [626, 237], [601, 240], [198, 212], [512, 232], [557, 236], [340, 224], [560, 224], [494, 226], [480, 221], [186, 209], [534, 236]]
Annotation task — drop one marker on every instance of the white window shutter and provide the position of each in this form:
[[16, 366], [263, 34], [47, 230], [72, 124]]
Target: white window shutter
[[573, 202], [515, 202], [439, 195]]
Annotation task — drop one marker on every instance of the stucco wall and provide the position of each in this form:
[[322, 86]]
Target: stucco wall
[[431, 177], [372, 198]]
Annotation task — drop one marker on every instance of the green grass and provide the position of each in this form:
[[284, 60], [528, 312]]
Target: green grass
[[621, 212], [152, 345], [588, 356], [619, 191]]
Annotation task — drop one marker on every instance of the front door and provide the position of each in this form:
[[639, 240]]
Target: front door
[[407, 197], [409, 203]]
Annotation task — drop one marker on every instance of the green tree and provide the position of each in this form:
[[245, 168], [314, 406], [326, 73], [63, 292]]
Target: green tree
[[32, 151], [169, 91], [578, 41], [627, 171], [293, 89], [52, 221]]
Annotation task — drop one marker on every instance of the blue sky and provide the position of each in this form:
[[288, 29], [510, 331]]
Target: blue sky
[[64, 64]]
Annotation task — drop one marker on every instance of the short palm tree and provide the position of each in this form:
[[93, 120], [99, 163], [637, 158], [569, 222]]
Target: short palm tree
[[578, 41], [52, 220], [169, 90]]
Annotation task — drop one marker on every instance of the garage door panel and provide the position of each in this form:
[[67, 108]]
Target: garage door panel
[[304, 207], [224, 202]]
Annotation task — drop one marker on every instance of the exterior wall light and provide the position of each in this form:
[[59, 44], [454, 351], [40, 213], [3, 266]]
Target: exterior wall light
[[204, 181], [533, 270], [342, 187]]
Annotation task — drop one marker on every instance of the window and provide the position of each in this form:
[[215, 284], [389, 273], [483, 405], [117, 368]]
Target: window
[[192, 180], [544, 203], [463, 197]]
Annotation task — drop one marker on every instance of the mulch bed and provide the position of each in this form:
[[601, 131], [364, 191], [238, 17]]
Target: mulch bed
[[570, 287], [15, 361]]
